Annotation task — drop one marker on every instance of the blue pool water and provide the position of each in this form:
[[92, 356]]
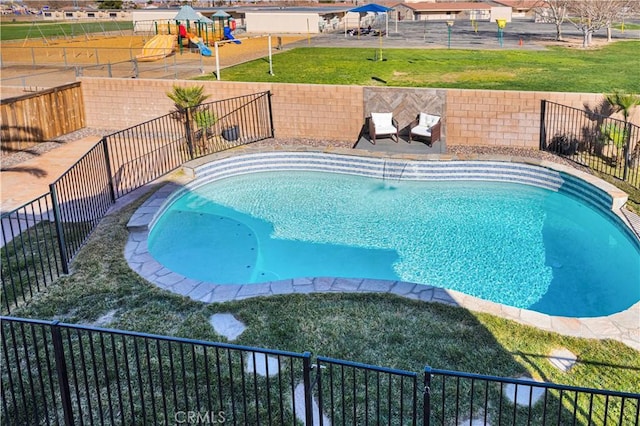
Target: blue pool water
[[513, 244]]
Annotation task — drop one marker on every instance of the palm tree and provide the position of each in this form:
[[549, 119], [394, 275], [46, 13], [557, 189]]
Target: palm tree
[[187, 97], [186, 101], [624, 103]]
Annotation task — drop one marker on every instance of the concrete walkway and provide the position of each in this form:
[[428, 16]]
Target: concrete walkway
[[28, 180]]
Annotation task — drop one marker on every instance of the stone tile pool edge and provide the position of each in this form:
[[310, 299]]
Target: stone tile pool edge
[[623, 326]]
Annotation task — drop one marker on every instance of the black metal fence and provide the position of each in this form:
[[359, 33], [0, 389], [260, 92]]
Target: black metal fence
[[354, 393], [74, 375], [70, 374], [31, 255], [40, 238], [149, 150], [602, 143], [455, 398]]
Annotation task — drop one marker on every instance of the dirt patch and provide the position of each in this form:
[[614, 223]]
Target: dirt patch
[[35, 64], [575, 43], [105, 50]]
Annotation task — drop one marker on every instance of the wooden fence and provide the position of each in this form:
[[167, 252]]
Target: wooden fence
[[42, 116]]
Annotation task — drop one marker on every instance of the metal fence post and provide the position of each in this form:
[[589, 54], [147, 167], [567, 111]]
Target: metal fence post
[[308, 394], [270, 114], [543, 135], [189, 132], [107, 160], [59, 231], [626, 150], [61, 370], [426, 406]]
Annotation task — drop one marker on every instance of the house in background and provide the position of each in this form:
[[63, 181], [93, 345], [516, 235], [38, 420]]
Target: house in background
[[522, 8], [431, 11]]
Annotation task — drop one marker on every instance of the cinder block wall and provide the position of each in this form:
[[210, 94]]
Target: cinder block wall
[[470, 117], [503, 118], [299, 110]]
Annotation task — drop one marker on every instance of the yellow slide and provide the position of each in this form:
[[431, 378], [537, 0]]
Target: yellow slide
[[158, 47]]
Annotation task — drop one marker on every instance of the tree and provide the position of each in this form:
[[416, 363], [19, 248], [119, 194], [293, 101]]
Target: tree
[[110, 4], [555, 12], [624, 103], [187, 101], [589, 16], [187, 97]]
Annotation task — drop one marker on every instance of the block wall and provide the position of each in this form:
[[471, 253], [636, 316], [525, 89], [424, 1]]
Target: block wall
[[503, 118], [324, 112], [299, 110]]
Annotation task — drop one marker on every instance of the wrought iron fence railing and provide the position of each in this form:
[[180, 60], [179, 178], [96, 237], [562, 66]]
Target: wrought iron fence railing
[[68, 374], [31, 253], [453, 397], [604, 144], [354, 393], [40, 238]]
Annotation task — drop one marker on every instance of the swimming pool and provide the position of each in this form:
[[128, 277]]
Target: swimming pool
[[542, 249]]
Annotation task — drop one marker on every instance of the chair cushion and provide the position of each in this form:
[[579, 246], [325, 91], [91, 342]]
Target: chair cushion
[[428, 120], [382, 119], [421, 131], [383, 123]]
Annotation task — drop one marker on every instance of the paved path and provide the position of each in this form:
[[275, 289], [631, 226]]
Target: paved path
[[520, 34], [28, 180]]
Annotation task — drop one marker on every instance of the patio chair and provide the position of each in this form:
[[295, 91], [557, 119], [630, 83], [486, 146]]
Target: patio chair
[[425, 126], [382, 124]]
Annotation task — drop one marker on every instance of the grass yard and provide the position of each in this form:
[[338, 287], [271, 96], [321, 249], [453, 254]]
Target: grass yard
[[22, 30], [557, 69], [378, 329]]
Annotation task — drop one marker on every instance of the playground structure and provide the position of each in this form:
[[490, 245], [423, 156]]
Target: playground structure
[[190, 28], [157, 48], [180, 34]]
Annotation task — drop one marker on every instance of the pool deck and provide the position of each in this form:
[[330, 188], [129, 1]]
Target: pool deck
[[623, 326]]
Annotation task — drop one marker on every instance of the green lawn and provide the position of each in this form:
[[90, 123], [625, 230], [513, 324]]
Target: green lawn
[[556, 69], [378, 329], [22, 30]]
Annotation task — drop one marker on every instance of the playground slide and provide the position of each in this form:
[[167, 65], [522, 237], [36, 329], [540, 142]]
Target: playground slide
[[229, 36], [158, 47], [204, 50]]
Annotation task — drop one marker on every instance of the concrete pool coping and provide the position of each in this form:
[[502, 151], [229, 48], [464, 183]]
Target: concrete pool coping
[[623, 326]]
